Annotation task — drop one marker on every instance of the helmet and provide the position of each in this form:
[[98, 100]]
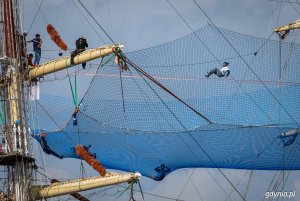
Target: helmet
[[82, 37], [225, 63]]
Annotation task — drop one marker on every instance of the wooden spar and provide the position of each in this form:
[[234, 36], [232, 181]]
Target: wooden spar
[[283, 31], [288, 27], [63, 63], [72, 186]]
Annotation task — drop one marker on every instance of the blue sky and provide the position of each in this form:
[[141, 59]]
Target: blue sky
[[140, 24]]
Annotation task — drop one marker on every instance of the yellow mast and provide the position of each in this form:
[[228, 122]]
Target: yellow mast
[[63, 188], [283, 31], [63, 63]]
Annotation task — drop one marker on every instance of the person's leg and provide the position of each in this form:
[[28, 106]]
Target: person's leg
[[219, 73], [35, 57], [73, 54], [212, 71], [83, 65], [38, 56]]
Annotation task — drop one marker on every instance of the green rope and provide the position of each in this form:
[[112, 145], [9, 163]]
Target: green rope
[[2, 114], [74, 89], [73, 93], [108, 60], [76, 97]]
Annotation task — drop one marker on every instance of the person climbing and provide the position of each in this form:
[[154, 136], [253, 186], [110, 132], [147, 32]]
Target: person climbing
[[162, 171], [46, 147], [74, 115], [3, 148], [37, 45], [22, 41], [121, 63], [29, 59], [81, 44], [289, 137], [223, 72]]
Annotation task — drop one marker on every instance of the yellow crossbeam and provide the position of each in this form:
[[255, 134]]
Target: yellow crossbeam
[[63, 63]]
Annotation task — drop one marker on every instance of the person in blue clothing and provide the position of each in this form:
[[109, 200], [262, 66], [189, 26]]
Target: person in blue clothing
[[162, 171], [37, 45], [46, 147], [223, 72]]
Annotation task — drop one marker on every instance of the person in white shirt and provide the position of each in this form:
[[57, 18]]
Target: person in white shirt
[[223, 72]]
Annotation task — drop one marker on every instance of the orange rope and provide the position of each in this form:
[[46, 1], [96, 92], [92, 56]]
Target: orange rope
[[85, 155], [56, 37]]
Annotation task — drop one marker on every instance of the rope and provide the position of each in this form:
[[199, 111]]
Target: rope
[[82, 170], [122, 91], [98, 68], [2, 114], [96, 22], [142, 72], [35, 16], [74, 91], [131, 194], [193, 31], [88, 22]]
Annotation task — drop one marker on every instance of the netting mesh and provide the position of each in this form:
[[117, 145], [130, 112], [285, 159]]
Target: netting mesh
[[139, 126]]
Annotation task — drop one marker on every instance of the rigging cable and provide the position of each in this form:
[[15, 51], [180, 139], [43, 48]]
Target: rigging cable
[[35, 16], [96, 22], [185, 185], [192, 31], [122, 91], [88, 22], [155, 195], [144, 73]]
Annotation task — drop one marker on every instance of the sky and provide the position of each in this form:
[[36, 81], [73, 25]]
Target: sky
[[140, 24]]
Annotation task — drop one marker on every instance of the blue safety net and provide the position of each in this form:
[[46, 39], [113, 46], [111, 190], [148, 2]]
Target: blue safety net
[[132, 124]]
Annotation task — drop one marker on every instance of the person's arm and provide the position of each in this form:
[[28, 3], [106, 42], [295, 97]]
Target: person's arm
[[40, 43], [77, 43], [86, 44], [227, 73]]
